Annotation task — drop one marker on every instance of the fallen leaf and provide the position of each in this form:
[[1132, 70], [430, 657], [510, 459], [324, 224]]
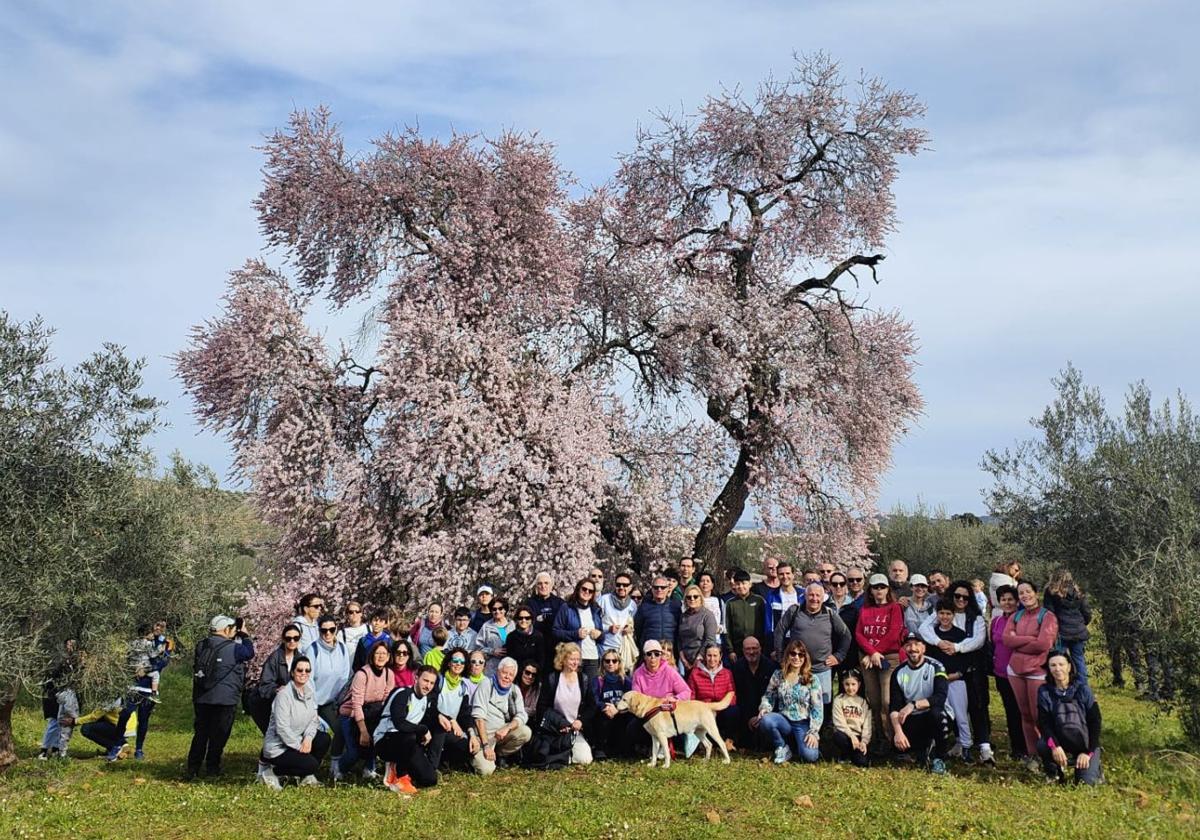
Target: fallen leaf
[[139, 780], [1143, 799], [713, 817], [803, 800]]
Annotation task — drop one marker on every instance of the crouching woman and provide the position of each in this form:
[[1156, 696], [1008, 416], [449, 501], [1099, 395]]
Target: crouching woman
[[294, 743]]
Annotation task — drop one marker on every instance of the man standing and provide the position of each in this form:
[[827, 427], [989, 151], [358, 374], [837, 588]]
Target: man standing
[[220, 669], [780, 599], [898, 579], [856, 584], [823, 632], [544, 604], [658, 616], [825, 569], [406, 734], [917, 702], [751, 674], [500, 718], [770, 579], [331, 670], [617, 611], [745, 616]]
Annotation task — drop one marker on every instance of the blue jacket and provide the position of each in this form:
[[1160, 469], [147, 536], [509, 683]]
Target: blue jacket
[[657, 621], [566, 623]]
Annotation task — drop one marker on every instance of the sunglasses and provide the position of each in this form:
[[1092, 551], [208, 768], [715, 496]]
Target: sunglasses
[[302, 671], [291, 638], [659, 588], [692, 598], [403, 653], [328, 631], [476, 661], [315, 606], [879, 586], [499, 609], [612, 661], [354, 612], [958, 596], [654, 654], [529, 672], [524, 618], [458, 660], [622, 585], [856, 580], [920, 585], [586, 590], [795, 653], [837, 583]]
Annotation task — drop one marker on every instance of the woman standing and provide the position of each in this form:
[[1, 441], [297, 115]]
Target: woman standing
[[879, 633], [1007, 596], [354, 628], [359, 714], [712, 603], [493, 634], [1030, 634], [1006, 573], [792, 706], [567, 700], [578, 621], [276, 673], [293, 744], [1070, 607], [1069, 720], [697, 628], [422, 629]]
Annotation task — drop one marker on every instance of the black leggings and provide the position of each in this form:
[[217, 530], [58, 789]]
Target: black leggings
[[1012, 718], [292, 762], [843, 748], [410, 757], [977, 706], [104, 733]]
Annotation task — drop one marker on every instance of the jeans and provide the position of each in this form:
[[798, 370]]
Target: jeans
[[51, 736], [351, 750], [1075, 650], [144, 707], [328, 712], [843, 748], [1090, 776], [778, 728]]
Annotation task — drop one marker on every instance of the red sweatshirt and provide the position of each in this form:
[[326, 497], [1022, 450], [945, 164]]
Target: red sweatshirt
[[880, 628]]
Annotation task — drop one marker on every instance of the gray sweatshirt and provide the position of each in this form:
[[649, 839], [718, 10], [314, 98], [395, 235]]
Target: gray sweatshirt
[[495, 709], [293, 718]]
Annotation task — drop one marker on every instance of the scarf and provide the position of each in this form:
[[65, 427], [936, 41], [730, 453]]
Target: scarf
[[618, 603], [452, 681], [503, 692]]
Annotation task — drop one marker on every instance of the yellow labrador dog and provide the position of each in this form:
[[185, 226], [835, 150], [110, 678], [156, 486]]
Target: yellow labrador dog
[[689, 717]]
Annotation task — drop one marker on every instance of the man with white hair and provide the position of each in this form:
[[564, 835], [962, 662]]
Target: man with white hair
[[500, 718], [544, 604]]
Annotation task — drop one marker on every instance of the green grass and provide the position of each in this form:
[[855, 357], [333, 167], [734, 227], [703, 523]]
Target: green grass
[[1153, 790]]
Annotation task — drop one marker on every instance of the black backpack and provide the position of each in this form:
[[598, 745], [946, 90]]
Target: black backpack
[[204, 675], [1070, 719]]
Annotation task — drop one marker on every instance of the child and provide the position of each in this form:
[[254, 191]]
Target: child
[[956, 672], [852, 727], [377, 633], [438, 652], [462, 636], [56, 680]]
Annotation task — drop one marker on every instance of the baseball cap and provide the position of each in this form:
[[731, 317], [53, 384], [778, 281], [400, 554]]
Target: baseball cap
[[651, 644], [918, 580], [913, 637], [485, 588], [220, 622], [878, 580]]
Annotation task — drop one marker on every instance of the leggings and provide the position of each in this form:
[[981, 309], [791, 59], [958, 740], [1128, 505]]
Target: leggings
[[292, 762], [877, 684], [1026, 691], [977, 705], [1012, 717]]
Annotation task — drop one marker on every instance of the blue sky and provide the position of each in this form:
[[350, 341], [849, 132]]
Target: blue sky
[[1052, 219]]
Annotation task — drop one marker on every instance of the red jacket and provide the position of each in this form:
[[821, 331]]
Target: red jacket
[[1029, 642], [880, 628], [710, 689]]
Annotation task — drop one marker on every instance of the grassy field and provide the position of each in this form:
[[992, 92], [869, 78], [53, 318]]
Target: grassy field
[[1153, 790]]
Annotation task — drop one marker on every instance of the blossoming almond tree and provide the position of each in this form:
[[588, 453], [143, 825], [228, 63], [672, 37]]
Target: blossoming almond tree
[[555, 373]]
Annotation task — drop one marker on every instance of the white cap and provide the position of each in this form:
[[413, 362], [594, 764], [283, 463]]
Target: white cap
[[485, 588], [651, 644], [918, 580], [220, 622], [878, 580]]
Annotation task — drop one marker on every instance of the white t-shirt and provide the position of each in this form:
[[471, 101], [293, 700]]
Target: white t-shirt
[[567, 698], [587, 645], [789, 598]]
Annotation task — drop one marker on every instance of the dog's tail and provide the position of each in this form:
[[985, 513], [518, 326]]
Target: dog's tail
[[720, 705]]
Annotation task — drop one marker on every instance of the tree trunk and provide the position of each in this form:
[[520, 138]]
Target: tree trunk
[[726, 510], [8, 752]]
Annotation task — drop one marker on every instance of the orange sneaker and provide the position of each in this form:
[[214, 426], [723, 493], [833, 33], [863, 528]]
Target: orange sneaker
[[391, 779], [405, 785]]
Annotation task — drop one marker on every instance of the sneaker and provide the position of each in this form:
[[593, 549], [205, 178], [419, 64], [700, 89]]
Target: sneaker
[[310, 781], [730, 746], [268, 778], [968, 756], [139, 755], [262, 769], [955, 752], [937, 767], [114, 752], [1032, 764], [404, 785], [43, 755], [782, 754], [369, 774], [690, 744], [335, 770], [391, 779], [986, 756]]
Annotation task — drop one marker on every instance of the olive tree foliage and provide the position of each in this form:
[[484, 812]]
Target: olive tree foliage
[[555, 374], [1116, 499], [962, 546], [90, 544]]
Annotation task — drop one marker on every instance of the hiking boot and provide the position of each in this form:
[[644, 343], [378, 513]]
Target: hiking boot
[[937, 767], [310, 781], [268, 778], [782, 754]]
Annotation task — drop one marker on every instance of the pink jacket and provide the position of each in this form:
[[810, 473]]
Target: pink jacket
[[1000, 652], [663, 683], [1029, 643], [365, 687]]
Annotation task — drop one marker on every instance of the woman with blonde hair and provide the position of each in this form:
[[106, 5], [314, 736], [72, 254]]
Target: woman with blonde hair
[[1065, 599], [793, 704], [567, 703], [697, 627], [1006, 573]]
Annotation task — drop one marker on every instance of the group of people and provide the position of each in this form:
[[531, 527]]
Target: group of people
[[824, 662]]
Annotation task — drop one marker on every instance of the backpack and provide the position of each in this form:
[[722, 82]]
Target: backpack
[[205, 676], [1070, 719]]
